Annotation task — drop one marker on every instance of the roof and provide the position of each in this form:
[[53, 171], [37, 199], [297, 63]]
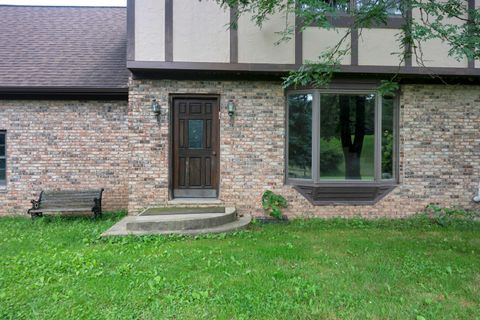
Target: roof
[[63, 47]]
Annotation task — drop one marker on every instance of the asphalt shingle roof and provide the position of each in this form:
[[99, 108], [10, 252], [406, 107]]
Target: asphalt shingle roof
[[63, 47]]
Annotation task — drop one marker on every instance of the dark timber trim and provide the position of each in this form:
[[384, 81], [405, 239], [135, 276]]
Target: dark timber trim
[[408, 48], [131, 30], [354, 46], [298, 42], [266, 67], [168, 30], [471, 7], [234, 35], [63, 93]]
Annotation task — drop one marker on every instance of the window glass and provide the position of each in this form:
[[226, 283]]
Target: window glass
[[388, 148], [327, 5], [347, 137], [195, 134], [300, 136], [393, 7], [339, 5]]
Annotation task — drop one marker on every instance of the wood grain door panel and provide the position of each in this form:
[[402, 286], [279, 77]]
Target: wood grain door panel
[[195, 147]]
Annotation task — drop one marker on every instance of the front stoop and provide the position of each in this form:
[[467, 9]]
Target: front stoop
[[178, 221]]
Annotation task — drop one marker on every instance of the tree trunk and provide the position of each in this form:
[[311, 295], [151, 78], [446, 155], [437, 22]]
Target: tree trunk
[[352, 151]]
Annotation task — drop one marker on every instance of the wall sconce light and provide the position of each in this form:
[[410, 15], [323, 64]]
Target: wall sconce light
[[231, 108], [156, 107]]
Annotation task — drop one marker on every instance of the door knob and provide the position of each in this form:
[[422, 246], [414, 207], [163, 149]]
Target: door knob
[[214, 153]]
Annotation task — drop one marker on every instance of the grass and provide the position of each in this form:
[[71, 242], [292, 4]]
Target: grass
[[59, 268]]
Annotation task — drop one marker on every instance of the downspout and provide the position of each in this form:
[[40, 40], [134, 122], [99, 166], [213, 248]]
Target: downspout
[[477, 197]]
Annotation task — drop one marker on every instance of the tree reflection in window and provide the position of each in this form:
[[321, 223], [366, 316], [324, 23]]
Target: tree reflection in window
[[300, 136]]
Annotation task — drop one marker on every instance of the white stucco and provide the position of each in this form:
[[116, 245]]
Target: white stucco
[[379, 47], [257, 45], [150, 30], [200, 31], [435, 51], [317, 40]]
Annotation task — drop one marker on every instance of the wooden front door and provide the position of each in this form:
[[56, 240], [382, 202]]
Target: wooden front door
[[195, 147]]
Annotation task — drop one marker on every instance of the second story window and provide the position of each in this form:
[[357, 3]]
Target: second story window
[[3, 160], [393, 7], [339, 5]]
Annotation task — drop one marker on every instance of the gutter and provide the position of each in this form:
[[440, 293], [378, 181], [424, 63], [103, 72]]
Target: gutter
[[68, 93]]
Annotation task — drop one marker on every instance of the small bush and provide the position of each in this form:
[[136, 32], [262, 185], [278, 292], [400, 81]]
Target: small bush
[[445, 216], [273, 203]]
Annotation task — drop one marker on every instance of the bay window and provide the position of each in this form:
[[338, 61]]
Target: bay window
[[341, 136]]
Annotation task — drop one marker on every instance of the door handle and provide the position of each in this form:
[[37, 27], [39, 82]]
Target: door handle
[[214, 153]]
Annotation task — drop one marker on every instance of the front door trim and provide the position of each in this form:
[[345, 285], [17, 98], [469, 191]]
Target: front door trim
[[193, 193]]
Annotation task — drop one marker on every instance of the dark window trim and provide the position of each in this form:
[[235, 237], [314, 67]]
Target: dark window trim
[[3, 183], [382, 186]]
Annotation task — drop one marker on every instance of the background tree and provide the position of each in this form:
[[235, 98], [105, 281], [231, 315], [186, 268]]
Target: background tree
[[434, 20]]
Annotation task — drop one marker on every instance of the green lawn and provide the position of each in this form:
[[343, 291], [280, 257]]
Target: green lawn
[[333, 269]]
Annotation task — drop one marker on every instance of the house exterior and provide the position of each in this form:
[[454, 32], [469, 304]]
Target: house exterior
[[162, 101]]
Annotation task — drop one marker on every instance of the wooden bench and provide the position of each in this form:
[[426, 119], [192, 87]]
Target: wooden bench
[[67, 201]]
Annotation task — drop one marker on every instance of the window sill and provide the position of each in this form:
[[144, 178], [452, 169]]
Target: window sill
[[344, 193]]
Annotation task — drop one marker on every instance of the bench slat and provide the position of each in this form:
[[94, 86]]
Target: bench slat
[[83, 195], [67, 205], [69, 201], [96, 194], [62, 210]]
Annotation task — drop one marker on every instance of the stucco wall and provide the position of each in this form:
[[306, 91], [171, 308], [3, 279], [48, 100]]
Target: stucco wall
[[317, 40], [439, 144], [379, 47], [261, 44], [150, 30], [434, 52], [69, 145], [200, 31]]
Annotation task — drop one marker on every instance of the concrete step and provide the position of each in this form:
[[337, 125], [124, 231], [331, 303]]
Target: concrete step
[[181, 210], [188, 221], [180, 223]]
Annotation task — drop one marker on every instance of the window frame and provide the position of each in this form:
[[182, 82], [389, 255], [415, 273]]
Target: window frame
[[3, 183], [315, 140]]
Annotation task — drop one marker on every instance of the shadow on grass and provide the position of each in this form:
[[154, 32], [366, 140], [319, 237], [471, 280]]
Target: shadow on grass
[[80, 217]]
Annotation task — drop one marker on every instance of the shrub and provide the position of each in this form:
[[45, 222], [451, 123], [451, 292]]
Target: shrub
[[273, 203], [444, 216]]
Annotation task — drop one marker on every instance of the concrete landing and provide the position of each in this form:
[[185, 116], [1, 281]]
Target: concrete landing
[[186, 224]]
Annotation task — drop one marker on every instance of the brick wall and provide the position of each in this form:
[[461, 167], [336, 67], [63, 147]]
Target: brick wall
[[55, 144], [439, 146]]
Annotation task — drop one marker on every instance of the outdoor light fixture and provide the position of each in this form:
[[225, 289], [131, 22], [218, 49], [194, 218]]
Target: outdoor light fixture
[[155, 107], [231, 108]]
